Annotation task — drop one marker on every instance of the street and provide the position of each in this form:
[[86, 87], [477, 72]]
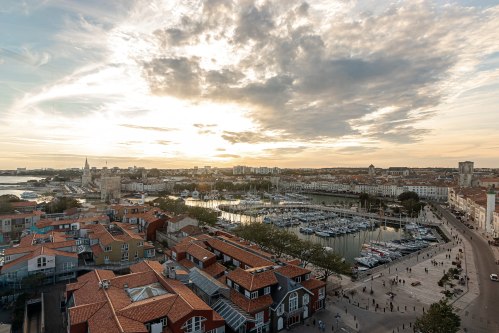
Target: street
[[481, 315]]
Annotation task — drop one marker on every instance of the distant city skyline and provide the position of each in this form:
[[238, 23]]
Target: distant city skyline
[[175, 84]]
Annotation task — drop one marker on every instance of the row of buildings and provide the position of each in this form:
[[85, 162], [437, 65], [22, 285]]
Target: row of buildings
[[426, 190], [479, 205], [209, 283]]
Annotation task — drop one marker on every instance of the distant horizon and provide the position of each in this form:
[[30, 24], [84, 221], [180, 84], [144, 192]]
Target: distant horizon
[[201, 166], [293, 84]]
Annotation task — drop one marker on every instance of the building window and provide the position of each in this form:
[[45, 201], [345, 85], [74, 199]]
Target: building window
[[259, 318], [164, 321], [124, 256], [298, 279], [7, 258], [124, 247], [254, 294], [321, 293], [306, 299], [108, 248], [67, 266], [293, 301], [136, 256], [106, 259], [12, 276], [280, 310], [236, 286], [247, 294], [140, 244], [307, 277], [229, 283], [193, 325], [266, 291], [41, 262]]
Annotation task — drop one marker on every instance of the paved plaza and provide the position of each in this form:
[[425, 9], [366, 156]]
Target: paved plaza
[[404, 290]]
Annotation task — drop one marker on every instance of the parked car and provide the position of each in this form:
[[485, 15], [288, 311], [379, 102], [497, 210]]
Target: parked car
[[415, 283], [493, 277]]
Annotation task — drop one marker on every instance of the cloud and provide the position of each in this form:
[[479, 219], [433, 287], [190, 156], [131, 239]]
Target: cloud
[[227, 156], [285, 151], [313, 80], [149, 128], [248, 137]]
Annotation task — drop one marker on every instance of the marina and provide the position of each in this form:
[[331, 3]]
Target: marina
[[364, 240]]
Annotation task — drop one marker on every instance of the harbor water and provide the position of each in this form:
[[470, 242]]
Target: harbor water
[[347, 246]]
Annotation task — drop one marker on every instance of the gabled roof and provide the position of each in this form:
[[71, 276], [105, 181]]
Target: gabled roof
[[251, 306], [292, 271], [252, 281], [239, 254]]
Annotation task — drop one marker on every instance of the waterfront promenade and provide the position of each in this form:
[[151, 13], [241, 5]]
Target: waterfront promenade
[[357, 310]]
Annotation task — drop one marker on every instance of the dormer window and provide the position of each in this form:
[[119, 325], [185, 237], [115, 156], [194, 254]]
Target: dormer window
[[298, 279], [307, 277], [266, 291], [254, 294], [41, 262]]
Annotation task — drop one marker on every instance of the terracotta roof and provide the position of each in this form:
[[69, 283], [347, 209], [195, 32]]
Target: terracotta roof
[[252, 281], [312, 284], [292, 271], [199, 252], [191, 230], [80, 314], [251, 306], [215, 269], [116, 311], [239, 254], [186, 263]]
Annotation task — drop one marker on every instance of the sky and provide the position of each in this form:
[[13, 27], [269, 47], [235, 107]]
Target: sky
[[322, 83]]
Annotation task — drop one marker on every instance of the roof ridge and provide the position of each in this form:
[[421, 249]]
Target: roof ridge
[[110, 304]]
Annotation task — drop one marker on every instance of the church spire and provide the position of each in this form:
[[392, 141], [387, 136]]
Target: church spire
[[86, 163]]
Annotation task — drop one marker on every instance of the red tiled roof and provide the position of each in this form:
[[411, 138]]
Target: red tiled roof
[[115, 309], [80, 314], [312, 284], [199, 252], [251, 306], [252, 281], [239, 254], [215, 269], [292, 271]]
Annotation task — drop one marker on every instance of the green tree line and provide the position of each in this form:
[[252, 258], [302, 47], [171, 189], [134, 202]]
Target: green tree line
[[280, 241]]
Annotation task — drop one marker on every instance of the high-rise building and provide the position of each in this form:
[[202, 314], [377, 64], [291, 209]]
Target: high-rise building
[[465, 174]]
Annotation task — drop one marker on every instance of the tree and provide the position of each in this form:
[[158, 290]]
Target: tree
[[329, 263], [408, 196], [440, 318], [59, 205]]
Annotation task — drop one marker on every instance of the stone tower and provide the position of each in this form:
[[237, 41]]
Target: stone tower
[[465, 174], [371, 171], [86, 178]]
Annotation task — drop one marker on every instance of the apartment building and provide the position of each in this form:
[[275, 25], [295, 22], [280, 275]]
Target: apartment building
[[115, 243], [52, 255], [12, 225]]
